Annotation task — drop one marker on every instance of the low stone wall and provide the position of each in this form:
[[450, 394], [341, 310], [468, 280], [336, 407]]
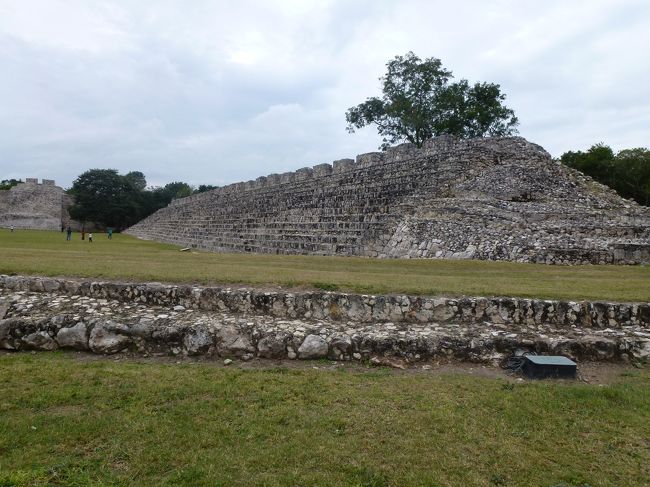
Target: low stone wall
[[343, 307], [45, 320]]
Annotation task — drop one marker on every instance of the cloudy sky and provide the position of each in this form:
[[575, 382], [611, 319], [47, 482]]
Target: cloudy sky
[[213, 92]]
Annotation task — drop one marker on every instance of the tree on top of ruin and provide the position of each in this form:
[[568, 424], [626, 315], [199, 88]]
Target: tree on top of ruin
[[420, 102]]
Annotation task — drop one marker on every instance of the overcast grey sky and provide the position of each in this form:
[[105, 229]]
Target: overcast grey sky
[[214, 92]]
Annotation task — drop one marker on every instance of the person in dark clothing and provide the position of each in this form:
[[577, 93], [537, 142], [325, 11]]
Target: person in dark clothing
[[69, 233]]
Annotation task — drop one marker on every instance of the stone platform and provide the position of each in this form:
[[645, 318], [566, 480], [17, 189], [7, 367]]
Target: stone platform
[[500, 198], [156, 319]]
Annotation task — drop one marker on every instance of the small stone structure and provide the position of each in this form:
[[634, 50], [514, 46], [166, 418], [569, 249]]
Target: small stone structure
[[36, 206], [152, 318], [488, 198]]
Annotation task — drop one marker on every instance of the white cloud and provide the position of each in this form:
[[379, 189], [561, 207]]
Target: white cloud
[[220, 91]]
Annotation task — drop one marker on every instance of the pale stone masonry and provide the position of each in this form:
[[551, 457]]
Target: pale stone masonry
[[489, 198], [152, 318], [36, 206]]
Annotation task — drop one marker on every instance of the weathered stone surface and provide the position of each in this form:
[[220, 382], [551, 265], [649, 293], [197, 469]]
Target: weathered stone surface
[[232, 342], [32, 205], [6, 341], [340, 345], [312, 347], [104, 339], [480, 329], [73, 337], [39, 340], [487, 198], [345, 307], [198, 341], [272, 346]]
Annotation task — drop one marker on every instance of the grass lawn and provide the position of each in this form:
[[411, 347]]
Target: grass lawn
[[124, 257], [66, 421]]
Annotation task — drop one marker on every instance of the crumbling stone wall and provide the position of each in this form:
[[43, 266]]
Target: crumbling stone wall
[[109, 317], [357, 308], [489, 198], [37, 206]]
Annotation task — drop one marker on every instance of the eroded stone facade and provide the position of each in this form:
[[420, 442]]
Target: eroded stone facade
[[34, 205], [490, 198]]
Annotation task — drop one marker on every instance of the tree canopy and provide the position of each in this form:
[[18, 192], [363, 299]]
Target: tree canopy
[[9, 183], [420, 102], [627, 172], [108, 199]]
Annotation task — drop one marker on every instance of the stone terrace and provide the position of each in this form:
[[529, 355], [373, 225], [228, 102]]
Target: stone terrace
[[155, 319], [495, 198]]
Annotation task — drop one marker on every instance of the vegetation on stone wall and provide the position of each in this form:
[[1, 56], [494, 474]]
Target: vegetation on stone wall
[[108, 199], [420, 102], [627, 172], [9, 183]]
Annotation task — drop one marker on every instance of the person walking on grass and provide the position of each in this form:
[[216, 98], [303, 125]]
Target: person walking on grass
[[90, 238], [110, 233], [68, 233]]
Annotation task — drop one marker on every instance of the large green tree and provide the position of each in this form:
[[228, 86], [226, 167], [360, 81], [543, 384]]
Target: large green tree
[[628, 171], [104, 197], [419, 101], [137, 180], [108, 199]]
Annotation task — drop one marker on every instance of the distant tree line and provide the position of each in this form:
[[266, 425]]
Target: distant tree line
[[627, 172], [109, 199]]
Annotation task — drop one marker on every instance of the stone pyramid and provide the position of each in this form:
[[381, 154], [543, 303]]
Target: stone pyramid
[[487, 198]]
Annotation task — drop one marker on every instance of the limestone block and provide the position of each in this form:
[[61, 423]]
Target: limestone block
[[272, 346], [103, 339], [232, 342], [39, 340], [313, 347], [341, 343], [197, 341], [73, 337]]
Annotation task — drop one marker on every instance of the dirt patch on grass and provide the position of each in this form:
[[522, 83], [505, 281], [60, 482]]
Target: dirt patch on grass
[[596, 373]]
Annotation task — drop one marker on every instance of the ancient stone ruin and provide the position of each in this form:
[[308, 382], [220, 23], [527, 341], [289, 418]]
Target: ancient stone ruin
[[158, 319], [37, 206], [489, 198]]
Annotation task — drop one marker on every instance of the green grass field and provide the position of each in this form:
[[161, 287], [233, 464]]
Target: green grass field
[[65, 421], [124, 257]]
